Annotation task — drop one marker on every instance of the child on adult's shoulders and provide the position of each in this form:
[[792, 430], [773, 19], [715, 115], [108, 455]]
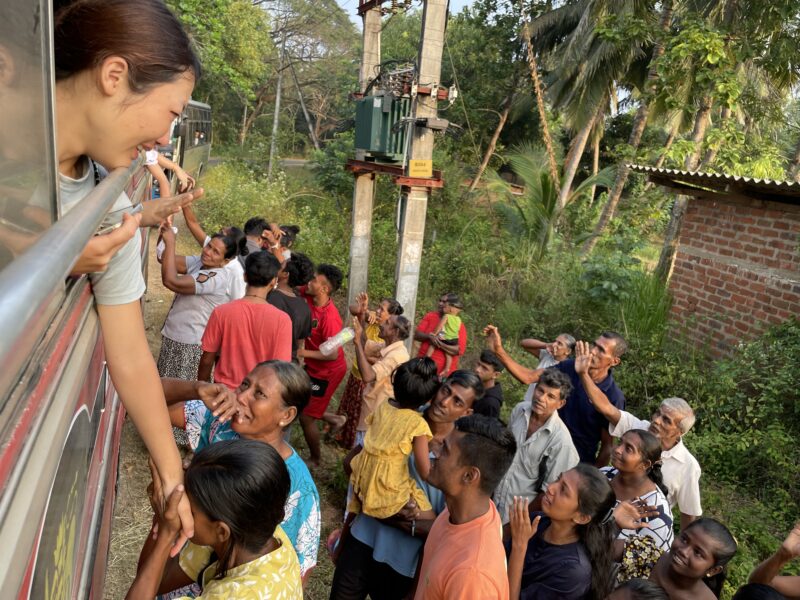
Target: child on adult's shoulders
[[488, 368]]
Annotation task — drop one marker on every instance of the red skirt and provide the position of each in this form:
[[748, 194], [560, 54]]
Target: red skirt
[[350, 406]]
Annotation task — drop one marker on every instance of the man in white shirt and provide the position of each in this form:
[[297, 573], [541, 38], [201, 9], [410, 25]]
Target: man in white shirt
[[680, 469]]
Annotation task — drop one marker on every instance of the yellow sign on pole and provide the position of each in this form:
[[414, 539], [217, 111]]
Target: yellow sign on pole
[[420, 168]]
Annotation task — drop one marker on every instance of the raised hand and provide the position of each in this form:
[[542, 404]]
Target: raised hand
[[791, 545], [583, 357], [362, 299], [631, 514], [155, 211], [493, 338], [522, 528]]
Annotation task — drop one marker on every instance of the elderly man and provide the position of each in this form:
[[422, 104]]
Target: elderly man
[[464, 556], [670, 421], [587, 428], [544, 446]]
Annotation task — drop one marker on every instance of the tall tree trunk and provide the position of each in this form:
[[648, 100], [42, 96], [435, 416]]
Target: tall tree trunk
[[673, 133], [311, 132], [635, 137], [261, 98], [793, 172], [539, 93], [667, 258], [273, 144], [595, 165], [493, 141], [574, 155], [711, 153], [243, 131]]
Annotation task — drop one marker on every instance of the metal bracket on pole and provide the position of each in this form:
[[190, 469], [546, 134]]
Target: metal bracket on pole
[[396, 172]]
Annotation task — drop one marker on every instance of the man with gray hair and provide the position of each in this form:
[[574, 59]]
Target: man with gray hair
[[681, 471]]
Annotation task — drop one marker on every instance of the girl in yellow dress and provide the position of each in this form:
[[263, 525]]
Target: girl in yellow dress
[[381, 481]]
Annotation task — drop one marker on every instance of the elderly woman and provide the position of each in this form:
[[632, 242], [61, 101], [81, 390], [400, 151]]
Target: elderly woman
[[380, 557], [266, 403], [350, 404], [200, 283], [376, 362]]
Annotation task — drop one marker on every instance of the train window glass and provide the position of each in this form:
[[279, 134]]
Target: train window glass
[[28, 202]]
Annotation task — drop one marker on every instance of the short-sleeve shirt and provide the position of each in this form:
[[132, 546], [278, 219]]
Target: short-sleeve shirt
[[274, 576], [393, 546], [555, 572], [539, 461], [489, 405], [325, 323], [122, 281], [660, 526], [464, 561], [585, 424], [237, 285], [297, 309], [428, 324], [189, 313], [302, 519], [679, 467], [380, 390], [244, 334]]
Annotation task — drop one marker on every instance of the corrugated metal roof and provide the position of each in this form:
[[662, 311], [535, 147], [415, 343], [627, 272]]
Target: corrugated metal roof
[[765, 189]]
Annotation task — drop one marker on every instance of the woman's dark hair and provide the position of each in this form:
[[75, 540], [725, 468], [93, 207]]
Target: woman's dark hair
[[299, 268], [231, 245], [757, 591], [289, 234], [244, 484], [415, 382], [650, 449], [467, 379], [240, 239], [723, 553], [393, 306], [260, 268], [403, 327], [596, 500], [294, 380], [145, 34], [255, 226], [643, 589], [453, 300], [487, 445]]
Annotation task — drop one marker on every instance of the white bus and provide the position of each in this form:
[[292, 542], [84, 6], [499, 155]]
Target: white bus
[[60, 417]]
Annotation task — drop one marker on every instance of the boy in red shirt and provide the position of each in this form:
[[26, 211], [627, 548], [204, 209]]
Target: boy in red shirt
[[326, 371], [243, 333]]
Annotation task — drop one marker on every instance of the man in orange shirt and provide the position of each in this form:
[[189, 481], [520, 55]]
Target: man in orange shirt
[[464, 556]]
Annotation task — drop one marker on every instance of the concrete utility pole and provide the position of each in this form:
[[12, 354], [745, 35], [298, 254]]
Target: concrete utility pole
[[412, 228], [364, 189]]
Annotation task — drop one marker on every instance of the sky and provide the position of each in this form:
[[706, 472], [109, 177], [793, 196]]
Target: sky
[[351, 5]]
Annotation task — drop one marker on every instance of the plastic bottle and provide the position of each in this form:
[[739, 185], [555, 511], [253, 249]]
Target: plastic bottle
[[334, 342]]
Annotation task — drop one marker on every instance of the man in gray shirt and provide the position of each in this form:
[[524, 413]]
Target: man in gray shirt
[[544, 445]]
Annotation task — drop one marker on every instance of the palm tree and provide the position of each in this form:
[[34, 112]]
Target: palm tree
[[533, 215]]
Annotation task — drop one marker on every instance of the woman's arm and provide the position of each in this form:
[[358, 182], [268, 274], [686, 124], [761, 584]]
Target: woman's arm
[[194, 225], [181, 284], [533, 346], [161, 178], [422, 456], [522, 530], [207, 361], [134, 374]]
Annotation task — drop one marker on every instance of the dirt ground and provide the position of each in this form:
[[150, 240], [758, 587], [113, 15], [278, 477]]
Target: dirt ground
[[132, 514]]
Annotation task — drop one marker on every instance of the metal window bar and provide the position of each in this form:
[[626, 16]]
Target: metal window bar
[[30, 286]]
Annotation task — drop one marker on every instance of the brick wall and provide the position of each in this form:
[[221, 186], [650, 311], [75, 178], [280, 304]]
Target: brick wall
[[737, 271]]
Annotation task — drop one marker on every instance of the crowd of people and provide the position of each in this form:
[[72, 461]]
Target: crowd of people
[[446, 500]]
